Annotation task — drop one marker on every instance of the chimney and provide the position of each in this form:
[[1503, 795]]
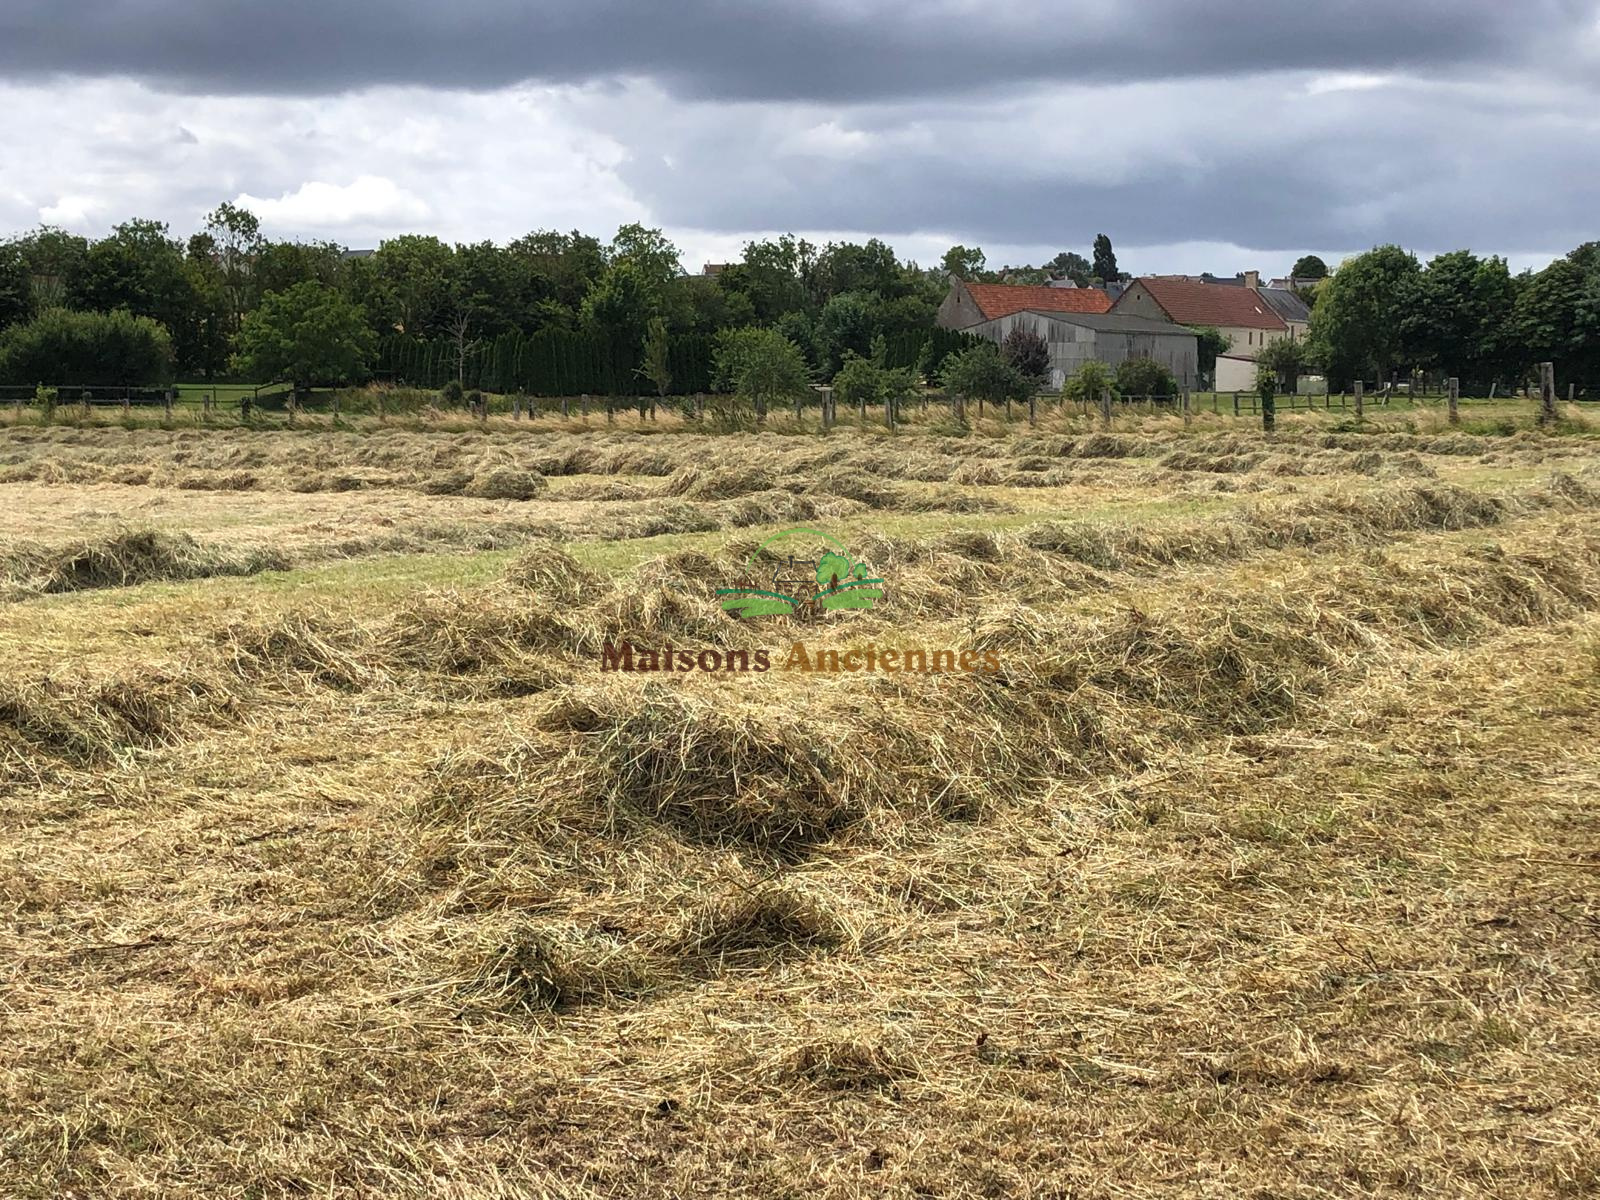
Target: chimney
[[1252, 280]]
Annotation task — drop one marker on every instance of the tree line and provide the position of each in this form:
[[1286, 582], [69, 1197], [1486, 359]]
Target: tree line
[[229, 301], [1385, 315], [555, 313]]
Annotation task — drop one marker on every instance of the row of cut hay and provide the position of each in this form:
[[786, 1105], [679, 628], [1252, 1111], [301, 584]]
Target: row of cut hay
[[1334, 521], [730, 760], [123, 559], [520, 966], [92, 721], [550, 609], [494, 467], [617, 769]]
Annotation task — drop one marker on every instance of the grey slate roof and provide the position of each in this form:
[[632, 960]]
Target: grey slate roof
[[1114, 322], [1286, 304]]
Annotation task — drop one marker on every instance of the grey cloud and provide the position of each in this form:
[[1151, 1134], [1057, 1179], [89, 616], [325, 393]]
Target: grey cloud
[[1421, 166], [754, 49]]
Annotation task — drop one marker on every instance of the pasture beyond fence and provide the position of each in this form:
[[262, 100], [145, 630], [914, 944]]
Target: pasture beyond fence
[[277, 403]]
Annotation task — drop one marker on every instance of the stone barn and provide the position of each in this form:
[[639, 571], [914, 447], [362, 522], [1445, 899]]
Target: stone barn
[[1112, 338]]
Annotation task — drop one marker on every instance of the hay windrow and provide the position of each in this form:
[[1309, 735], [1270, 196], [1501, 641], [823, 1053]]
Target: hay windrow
[[125, 559]]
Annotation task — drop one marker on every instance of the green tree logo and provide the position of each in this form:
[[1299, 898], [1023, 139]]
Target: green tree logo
[[802, 573]]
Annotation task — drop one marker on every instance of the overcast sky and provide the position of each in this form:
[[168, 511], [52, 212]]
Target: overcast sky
[[1199, 134]]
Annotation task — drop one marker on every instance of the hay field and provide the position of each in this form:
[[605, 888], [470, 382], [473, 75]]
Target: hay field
[[1266, 864]]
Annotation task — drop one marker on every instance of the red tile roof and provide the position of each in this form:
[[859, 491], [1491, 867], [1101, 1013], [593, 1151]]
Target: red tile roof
[[1001, 300], [1189, 302]]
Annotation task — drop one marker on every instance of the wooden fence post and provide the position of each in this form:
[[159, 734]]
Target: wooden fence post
[[1188, 409], [1547, 393], [1236, 404], [1572, 392], [1453, 400], [336, 406], [583, 406], [1361, 408], [1105, 407], [1033, 408], [798, 401], [566, 408], [516, 408]]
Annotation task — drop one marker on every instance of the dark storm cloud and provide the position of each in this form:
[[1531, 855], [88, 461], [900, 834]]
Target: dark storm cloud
[[837, 50], [1261, 163]]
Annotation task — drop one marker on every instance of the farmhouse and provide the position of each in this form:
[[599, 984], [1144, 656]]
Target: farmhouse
[[1075, 338]]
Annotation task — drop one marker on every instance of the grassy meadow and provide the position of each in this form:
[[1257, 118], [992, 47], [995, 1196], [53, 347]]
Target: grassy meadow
[[1265, 864]]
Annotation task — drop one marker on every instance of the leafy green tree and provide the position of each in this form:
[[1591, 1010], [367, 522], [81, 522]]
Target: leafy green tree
[[775, 277], [1089, 383], [281, 265], [846, 325], [414, 274], [1287, 360], [55, 262], [1556, 317], [709, 307], [1359, 319], [310, 334], [203, 340], [619, 305], [859, 382], [490, 288], [138, 268], [657, 365], [1267, 390], [906, 316], [1145, 377], [1309, 267], [651, 254], [1105, 260], [1460, 322], [560, 269], [13, 285], [86, 349], [760, 367], [236, 238], [1073, 266], [847, 267], [964, 262], [981, 374], [1028, 353]]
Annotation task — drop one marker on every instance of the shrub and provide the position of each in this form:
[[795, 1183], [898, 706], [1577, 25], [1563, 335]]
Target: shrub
[[1145, 377], [981, 374], [1089, 383], [1027, 352], [59, 346], [761, 367], [452, 392]]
